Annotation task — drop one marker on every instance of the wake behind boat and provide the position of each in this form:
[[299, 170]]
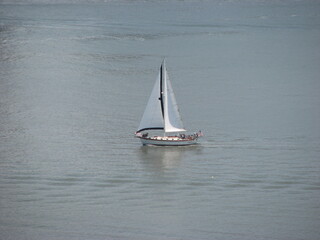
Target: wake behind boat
[[162, 113]]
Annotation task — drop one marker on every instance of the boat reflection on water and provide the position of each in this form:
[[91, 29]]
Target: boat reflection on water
[[163, 158]]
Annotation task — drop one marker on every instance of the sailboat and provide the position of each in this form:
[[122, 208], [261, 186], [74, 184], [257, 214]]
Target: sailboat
[[162, 113]]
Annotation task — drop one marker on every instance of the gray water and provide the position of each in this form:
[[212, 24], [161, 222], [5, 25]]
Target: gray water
[[75, 78]]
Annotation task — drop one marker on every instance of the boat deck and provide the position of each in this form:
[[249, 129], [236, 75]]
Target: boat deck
[[168, 140]]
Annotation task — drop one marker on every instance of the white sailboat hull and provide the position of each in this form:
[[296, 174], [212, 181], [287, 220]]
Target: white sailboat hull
[[168, 141]]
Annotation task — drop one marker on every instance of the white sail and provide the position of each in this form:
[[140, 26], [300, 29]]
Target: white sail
[[152, 117], [172, 118], [162, 110]]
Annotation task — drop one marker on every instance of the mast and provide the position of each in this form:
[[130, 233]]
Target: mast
[[162, 67]]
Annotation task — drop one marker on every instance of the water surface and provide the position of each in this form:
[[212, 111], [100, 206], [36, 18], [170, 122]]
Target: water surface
[[75, 78]]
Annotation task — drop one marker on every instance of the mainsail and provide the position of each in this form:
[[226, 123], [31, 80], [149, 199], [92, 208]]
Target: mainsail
[[152, 117], [162, 111]]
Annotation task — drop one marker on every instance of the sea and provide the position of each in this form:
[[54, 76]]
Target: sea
[[75, 77]]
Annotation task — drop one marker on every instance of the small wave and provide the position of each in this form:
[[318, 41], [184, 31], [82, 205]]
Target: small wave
[[110, 57], [21, 180], [61, 182], [117, 37], [236, 185], [312, 188]]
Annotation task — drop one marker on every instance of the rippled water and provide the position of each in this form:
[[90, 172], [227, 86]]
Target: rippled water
[[75, 78]]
